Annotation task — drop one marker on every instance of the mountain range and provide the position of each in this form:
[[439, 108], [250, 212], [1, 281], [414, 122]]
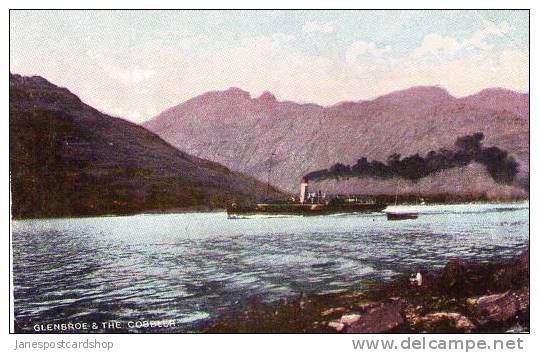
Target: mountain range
[[69, 159], [285, 140]]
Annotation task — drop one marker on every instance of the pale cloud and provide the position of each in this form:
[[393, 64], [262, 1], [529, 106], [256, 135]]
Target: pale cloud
[[361, 48], [435, 44], [271, 43], [130, 76], [468, 74], [262, 63], [446, 46], [139, 75], [314, 27], [127, 74], [494, 29], [267, 63]]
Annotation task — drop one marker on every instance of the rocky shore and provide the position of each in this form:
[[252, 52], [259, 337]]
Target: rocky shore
[[464, 297]]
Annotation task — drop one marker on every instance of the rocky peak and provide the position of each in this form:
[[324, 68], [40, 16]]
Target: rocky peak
[[236, 92], [267, 97], [430, 94]]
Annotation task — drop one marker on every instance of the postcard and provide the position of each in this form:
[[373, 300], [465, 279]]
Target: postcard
[[269, 171]]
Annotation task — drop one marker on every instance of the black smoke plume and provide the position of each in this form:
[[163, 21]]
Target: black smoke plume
[[501, 167]]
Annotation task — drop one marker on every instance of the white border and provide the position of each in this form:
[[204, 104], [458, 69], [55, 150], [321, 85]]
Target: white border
[[248, 343]]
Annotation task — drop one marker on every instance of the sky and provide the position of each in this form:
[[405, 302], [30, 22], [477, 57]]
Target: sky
[[135, 64]]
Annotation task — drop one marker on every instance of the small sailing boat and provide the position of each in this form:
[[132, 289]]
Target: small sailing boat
[[396, 214]]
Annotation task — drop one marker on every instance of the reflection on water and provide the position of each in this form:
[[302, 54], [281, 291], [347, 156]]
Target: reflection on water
[[188, 267]]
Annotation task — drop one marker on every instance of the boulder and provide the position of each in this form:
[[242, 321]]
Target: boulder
[[521, 270], [370, 318], [523, 261], [332, 311], [443, 322], [350, 319], [514, 274], [337, 325], [331, 293], [500, 307], [381, 318]]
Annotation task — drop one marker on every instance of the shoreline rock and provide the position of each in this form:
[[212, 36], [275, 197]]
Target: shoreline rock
[[464, 297]]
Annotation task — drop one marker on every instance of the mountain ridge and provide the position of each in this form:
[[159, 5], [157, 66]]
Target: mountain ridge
[[424, 90], [69, 159], [307, 137]]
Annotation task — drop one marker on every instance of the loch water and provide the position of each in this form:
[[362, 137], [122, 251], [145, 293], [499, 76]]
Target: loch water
[[189, 267]]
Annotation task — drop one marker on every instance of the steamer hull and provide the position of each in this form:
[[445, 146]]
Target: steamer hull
[[310, 204], [304, 209]]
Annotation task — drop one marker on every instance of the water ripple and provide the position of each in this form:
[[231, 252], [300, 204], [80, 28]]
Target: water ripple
[[189, 267]]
